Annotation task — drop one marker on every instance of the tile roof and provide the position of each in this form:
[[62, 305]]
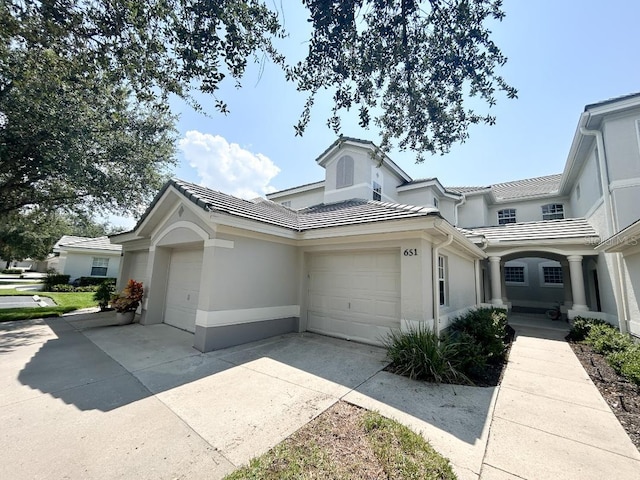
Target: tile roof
[[541, 230], [350, 212], [466, 189], [611, 100], [529, 187], [99, 243]]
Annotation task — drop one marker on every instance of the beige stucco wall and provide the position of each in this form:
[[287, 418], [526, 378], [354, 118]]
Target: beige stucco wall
[[365, 170], [632, 280], [254, 274], [473, 213], [303, 199], [621, 144], [461, 284], [590, 187], [534, 293], [527, 211]]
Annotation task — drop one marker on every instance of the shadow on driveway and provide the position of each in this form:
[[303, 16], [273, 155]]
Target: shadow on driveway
[[246, 399]]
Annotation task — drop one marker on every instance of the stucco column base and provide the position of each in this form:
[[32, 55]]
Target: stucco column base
[[497, 302], [581, 308]]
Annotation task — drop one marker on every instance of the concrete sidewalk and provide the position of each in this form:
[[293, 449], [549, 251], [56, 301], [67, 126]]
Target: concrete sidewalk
[[550, 421]]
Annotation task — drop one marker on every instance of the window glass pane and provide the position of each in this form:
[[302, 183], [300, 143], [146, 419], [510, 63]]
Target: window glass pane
[[514, 274], [552, 274], [99, 266], [377, 191], [553, 211], [508, 215]]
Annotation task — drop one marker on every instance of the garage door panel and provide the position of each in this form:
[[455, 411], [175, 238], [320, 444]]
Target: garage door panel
[[183, 287], [354, 295]]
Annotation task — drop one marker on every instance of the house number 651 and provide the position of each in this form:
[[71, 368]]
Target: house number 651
[[410, 252]]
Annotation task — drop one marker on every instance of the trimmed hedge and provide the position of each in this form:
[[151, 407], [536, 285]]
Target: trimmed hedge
[[94, 281], [65, 287], [12, 271], [53, 279]]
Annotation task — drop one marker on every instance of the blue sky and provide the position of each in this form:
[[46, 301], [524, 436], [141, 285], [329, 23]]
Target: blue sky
[[562, 56]]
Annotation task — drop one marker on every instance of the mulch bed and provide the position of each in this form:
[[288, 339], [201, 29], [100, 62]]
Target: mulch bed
[[622, 396]]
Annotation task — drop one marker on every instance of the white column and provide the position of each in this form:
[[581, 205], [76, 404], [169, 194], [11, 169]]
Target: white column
[[566, 279], [577, 283], [496, 281]]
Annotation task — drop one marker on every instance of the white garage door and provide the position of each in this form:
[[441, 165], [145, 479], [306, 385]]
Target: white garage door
[[183, 287], [354, 295]]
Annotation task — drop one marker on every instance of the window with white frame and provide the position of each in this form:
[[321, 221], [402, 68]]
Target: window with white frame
[[377, 191], [513, 274], [442, 279], [99, 267], [552, 275], [344, 172], [553, 211], [507, 215]]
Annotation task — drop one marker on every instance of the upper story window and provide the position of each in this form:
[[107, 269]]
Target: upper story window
[[553, 211], [99, 267], [508, 215], [344, 172], [377, 191]]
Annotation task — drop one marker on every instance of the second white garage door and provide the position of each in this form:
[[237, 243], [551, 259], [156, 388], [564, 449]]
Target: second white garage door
[[354, 295], [183, 287]]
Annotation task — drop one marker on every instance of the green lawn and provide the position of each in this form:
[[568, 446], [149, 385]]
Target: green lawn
[[66, 302], [352, 443]]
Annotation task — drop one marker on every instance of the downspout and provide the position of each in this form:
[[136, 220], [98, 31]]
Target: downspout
[[462, 201], [436, 284], [611, 221]]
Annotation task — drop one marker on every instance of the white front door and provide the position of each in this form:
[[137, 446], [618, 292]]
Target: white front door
[[183, 287], [354, 295]]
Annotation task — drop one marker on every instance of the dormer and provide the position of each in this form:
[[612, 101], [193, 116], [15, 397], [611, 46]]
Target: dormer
[[358, 169]]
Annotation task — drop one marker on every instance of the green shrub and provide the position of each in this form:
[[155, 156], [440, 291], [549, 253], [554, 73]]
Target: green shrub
[[419, 354], [12, 271], [606, 339], [88, 288], [94, 282], [627, 363], [581, 327], [103, 294], [471, 358], [487, 328], [54, 278], [61, 287]]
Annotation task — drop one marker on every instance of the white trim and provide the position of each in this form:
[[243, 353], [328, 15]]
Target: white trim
[[351, 187], [296, 190], [181, 224], [626, 183], [220, 318], [218, 242]]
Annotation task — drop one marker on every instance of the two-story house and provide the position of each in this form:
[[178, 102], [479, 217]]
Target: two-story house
[[369, 249]]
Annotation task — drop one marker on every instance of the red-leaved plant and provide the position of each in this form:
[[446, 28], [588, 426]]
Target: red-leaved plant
[[129, 299]]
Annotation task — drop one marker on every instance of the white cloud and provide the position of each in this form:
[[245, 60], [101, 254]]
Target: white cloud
[[227, 167]]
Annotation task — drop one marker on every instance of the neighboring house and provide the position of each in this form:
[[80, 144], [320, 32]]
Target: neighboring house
[[370, 249], [86, 257]]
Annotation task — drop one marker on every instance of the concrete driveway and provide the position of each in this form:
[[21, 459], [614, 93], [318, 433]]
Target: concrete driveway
[[82, 400]]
